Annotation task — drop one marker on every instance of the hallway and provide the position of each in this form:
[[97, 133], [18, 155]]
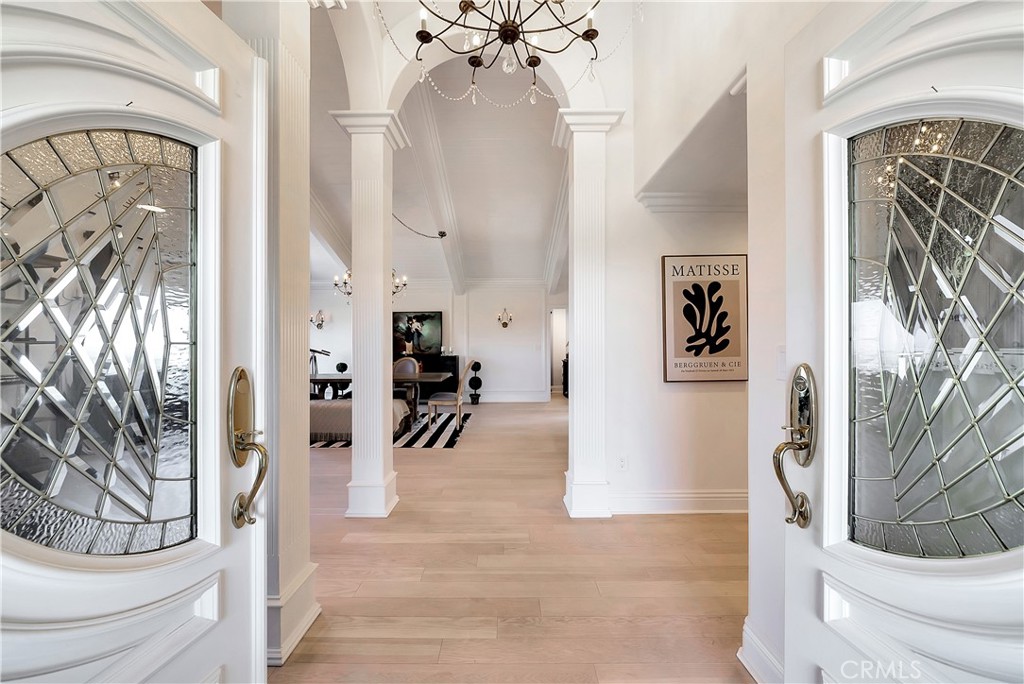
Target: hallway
[[480, 576]]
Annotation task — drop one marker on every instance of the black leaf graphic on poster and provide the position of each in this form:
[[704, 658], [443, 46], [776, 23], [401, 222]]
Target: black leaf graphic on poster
[[704, 314]]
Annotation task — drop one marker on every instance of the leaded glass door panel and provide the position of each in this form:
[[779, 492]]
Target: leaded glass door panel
[[121, 320], [904, 267]]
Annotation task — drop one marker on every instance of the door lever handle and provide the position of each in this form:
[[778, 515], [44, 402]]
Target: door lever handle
[[241, 509], [803, 417], [241, 442], [799, 502]]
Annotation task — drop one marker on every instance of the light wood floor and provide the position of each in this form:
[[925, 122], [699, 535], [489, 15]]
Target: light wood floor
[[480, 576]]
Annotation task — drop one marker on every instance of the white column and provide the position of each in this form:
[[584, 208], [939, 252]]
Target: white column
[[372, 493], [279, 33], [584, 133]]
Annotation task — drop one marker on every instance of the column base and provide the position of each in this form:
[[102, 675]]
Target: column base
[[372, 500], [587, 499], [290, 615]]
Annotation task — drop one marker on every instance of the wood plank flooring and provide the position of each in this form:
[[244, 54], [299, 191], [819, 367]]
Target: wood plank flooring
[[480, 576]]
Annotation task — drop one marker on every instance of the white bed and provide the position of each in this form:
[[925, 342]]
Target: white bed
[[331, 419]]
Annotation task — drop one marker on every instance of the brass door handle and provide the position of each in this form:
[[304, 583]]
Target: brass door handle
[[241, 408], [241, 512], [803, 416], [799, 502]]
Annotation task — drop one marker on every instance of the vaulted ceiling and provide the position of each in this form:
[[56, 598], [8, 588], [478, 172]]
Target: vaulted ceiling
[[488, 176]]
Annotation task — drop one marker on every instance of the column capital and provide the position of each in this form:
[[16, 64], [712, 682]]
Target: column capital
[[384, 123], [572, 121]]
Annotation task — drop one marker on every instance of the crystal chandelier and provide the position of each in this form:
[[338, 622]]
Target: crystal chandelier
[[516, 29], [344, 284]]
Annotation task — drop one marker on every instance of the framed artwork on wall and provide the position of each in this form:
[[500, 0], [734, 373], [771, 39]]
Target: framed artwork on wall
[[416, 332], [704, 317]]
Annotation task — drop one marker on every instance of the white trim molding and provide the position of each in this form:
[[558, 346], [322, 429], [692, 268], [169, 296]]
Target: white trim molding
[[755, 657], [692, 203], [680, 501], [384, 123]]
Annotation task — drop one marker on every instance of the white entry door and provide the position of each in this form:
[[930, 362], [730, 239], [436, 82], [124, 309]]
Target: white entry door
[[132, 162], [905, 263]]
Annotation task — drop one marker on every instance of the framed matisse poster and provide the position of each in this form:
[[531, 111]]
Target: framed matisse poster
[[704, 314]]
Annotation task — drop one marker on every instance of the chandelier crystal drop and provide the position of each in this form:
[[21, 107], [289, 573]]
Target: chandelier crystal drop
[[513, 29]]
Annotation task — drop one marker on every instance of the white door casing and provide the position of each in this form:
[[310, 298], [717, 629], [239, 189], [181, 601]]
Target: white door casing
[[852, 613], [193, 612]]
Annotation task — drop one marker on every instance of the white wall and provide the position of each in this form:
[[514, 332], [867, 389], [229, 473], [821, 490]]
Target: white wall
[[514, 360], [336, 335], [558, 340]]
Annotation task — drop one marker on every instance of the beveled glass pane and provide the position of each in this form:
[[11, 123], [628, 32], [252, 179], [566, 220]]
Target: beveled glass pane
[[974, 536], [941, 352], [1007, 154], [97, 343], [1007, 522], [30, 460], [75, 194], [925, 189], [976, 492], [1009, 463], [977, 185], [76, 151], [14, 184], [40, 162], [1003, 253], [29, 224]]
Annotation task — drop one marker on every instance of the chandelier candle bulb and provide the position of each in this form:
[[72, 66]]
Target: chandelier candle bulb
[[423, 19]]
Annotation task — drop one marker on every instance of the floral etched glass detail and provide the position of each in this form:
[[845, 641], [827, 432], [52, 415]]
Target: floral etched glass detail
[[937, 338], [97, 342]]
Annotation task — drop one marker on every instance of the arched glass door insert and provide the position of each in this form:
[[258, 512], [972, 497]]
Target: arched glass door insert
[[937, 338], [97, 342]]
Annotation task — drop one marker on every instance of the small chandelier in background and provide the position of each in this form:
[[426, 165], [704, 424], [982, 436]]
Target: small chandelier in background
[[515, 30], [318, 319], [504, 318], [344, 285]]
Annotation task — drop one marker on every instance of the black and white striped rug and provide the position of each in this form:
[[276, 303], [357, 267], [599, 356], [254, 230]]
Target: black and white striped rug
[[441, 435]]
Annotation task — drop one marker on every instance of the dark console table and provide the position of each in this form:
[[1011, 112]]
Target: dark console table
[[439, 363], [565, 376]]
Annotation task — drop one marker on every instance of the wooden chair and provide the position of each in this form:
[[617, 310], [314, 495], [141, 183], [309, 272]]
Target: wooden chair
[[438, 399], [408, 391]]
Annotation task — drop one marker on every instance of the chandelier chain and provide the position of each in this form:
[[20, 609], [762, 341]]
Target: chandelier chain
[[474, 89]]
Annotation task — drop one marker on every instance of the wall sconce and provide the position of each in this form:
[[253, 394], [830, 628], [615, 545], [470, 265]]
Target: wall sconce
[[318, 319], [504, 318]]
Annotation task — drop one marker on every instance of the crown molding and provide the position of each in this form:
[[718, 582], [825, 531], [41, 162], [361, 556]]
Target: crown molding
[[572, 121], [327, 229], [692, 203], [434, 176], [485, 283], [384, 123]]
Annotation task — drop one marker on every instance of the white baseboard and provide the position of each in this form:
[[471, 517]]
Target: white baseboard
[[513, 397], [586, 499], [680, 501], [762, 665], [371, 499], [290, 615]]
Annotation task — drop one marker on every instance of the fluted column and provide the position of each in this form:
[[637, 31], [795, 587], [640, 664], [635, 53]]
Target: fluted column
[[372, 493], [584, 133]]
